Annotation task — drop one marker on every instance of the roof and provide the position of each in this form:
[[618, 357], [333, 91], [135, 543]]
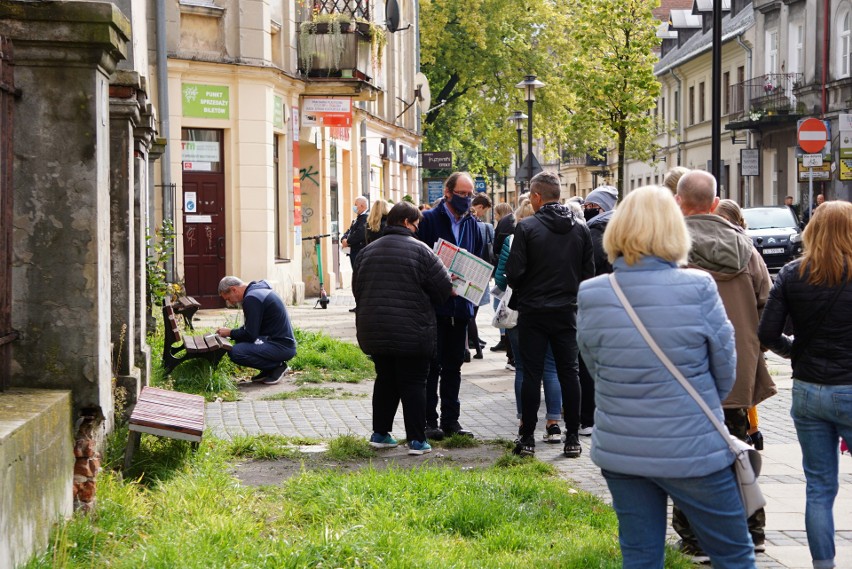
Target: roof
[[702, 42]]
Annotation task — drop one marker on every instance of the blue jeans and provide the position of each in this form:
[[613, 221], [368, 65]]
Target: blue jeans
[[822, 414], [712, 503], [552, 390]]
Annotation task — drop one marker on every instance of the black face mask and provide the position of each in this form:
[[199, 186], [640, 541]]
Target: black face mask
[[591, 212]]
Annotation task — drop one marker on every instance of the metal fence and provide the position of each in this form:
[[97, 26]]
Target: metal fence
[[770, 93], [356, 8]]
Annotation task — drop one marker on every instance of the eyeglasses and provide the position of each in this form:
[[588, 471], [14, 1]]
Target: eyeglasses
[[462, 195]]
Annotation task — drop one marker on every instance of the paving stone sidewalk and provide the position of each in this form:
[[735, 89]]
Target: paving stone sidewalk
[[488, 409]]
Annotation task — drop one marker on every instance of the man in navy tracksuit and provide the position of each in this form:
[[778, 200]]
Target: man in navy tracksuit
[[266, 340], [450, 220]]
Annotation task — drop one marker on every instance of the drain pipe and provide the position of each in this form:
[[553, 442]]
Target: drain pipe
[[826, 30], [748, 53], [163, 104], [365, 162], [679, 113]]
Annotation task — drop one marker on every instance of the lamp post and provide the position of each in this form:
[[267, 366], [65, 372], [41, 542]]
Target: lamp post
[[518, 119], [529, 85]]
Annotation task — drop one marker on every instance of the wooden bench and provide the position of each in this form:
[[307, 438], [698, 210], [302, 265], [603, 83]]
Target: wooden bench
[[166, 414], [178, 348], [186, 306]]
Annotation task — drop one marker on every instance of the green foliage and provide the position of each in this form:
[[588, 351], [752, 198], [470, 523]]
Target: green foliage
[[313, 392], [163, 250], [320, 357], [267, 447], [346, 447], [457, 441], [199, 516]]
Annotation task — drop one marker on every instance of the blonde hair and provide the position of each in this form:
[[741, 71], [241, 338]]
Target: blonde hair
[[673, 176], [648, 222], [501, 210], [828, 244], [525, 209], [379, 210], [730, 210]]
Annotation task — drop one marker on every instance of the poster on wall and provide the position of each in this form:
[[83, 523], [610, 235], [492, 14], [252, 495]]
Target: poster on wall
[[297, 186], [327, 111], [206, 101], [277, 112]]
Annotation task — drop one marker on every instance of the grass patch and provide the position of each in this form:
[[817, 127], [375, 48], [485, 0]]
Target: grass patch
[[313, 393], [199, 517], [456, 441], [347, 447], [321, 358], [265, 447]]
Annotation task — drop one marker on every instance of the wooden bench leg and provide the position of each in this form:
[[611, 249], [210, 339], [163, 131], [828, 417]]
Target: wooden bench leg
[[133, 439]]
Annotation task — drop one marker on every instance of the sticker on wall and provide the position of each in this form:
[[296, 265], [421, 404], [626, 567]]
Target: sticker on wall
[[189, 203]]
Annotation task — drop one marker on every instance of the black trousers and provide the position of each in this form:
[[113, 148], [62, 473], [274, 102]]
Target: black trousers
[[587, 396], [535, 330], [400, 378], [452, 338]]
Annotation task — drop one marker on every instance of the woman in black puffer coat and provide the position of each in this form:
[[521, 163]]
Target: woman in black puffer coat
[[816, 292], [396, 281]]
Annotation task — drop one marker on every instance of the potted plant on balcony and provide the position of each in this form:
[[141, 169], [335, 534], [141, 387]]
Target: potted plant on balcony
[[330, 36]]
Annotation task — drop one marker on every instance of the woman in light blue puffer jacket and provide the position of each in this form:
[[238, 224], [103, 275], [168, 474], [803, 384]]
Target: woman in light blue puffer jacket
[[651, 439]]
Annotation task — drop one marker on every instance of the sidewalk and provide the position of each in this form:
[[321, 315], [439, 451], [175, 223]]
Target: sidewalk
[[488, 409]]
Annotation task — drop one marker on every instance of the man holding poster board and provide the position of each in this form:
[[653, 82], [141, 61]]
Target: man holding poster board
[[450, 220]]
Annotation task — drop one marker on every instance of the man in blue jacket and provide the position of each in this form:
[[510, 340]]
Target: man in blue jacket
[[451, 220], [266, 341]]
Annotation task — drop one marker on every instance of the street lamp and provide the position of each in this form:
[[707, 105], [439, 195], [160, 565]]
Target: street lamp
[[518, 119], [529, 85]]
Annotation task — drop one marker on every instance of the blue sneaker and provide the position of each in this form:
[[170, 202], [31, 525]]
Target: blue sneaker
[[419, 447], [382, 441]]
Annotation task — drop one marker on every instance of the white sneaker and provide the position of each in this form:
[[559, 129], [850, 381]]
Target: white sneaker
[[585, 431], [510, 367]]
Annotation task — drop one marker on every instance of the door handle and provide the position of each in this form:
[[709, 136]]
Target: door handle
[[220, 248]]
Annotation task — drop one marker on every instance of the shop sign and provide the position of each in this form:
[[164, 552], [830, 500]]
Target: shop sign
[[845, 170], [327, 111], [199, 151], [821, 173], [408, 155], [277, 111], [750, 162], [389, 149], [437, 160], [206, 101], [434, 190]]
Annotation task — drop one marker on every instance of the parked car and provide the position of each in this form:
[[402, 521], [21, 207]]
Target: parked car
[[776, 234]]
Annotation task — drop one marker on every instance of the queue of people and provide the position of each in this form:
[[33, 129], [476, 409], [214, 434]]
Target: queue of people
[[583, 276]]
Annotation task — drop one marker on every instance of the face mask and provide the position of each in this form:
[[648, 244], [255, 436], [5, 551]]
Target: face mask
[[591, 212], [460, 204], [355, 208]]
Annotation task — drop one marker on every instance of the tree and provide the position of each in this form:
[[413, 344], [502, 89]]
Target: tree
[[473, 53], [612, 79]]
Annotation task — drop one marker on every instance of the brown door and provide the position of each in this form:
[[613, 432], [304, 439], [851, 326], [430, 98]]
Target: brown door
[[203, 204]]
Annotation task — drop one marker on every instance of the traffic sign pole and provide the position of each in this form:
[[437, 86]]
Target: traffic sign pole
[[812, 136]]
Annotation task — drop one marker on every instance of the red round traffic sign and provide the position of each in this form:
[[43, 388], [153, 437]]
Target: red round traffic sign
[[812, 136]]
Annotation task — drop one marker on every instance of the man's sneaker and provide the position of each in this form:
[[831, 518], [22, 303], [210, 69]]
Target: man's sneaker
[[760, 547], [585, 430], [524, 446], [552, 434], [572, 446], [419, 447], [510, 366], [276, 375], [379, 440], [434, 433], [695, 552], [499, 346], [264, 373]]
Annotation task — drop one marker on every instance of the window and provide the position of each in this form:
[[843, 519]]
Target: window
[[276, 189], [740, 102], [692, 106], [701, 104], [844, 45], [771, 51], [796, 56], [726, 91], [677, 106]]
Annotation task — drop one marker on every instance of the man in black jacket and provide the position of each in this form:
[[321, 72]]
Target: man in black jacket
[[551, 254], [356, 236]]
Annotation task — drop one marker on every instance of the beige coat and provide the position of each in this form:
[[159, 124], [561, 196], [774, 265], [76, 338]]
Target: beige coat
[[729, 256]]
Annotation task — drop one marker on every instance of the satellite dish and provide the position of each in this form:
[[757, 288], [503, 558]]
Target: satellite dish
[[421, 91], [392, 15]]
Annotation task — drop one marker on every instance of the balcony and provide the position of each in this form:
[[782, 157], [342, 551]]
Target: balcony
[[766, 99], [339, 48]]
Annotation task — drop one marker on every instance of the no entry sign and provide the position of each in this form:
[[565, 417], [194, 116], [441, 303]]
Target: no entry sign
[[812, 136]]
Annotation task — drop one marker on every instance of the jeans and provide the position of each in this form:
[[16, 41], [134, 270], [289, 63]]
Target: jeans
[[822, 414], [712, 503], [552, 390], [452, 338], [400, 378], [535, 331]]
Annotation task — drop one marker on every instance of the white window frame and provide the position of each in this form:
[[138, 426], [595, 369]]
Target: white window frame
[[771, 63], [796, 56], [844, 43]]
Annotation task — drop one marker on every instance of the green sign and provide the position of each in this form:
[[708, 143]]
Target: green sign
[[206, 101], [277, 112]]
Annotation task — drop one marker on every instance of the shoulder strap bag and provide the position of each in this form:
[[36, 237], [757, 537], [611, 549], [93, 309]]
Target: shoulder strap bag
[[748, 462]]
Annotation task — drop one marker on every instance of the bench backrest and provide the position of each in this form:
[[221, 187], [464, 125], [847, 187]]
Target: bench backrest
[[170, 325]]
